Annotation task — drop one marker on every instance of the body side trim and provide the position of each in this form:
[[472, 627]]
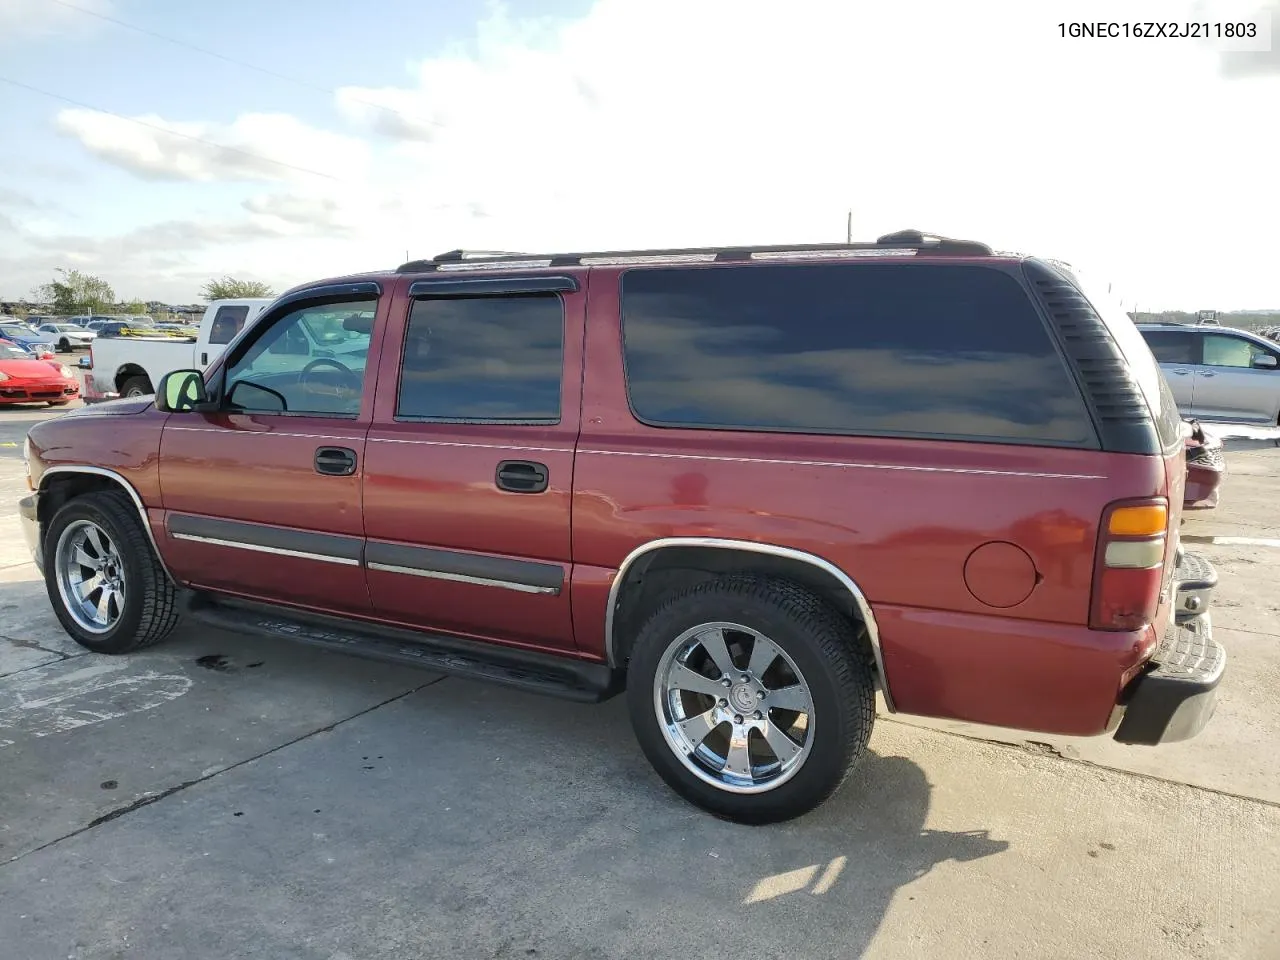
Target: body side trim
[[267, 539], [528, 576]]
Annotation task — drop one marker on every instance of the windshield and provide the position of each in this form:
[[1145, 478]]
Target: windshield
[[67, 328], [9, 351]]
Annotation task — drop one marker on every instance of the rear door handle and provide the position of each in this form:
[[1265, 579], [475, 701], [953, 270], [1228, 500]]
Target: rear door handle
[[522, 476], [336, 461]]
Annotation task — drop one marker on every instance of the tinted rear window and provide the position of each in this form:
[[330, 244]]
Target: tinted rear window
[[1171, 346], [483, 359], [874, 349], [227, 322], [1137, 354]]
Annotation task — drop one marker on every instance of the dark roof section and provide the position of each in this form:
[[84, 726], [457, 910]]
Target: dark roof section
[[902, 240]]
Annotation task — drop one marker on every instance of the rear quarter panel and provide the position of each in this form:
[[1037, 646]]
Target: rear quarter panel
[[901, 517]]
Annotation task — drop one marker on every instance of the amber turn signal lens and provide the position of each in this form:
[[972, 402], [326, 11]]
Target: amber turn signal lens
[[1145, 521]]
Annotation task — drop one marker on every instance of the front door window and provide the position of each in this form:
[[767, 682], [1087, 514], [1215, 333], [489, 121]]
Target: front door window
[[311, 361]]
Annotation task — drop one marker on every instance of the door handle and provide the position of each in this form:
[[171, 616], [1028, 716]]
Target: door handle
[[1204, 373], [1182, 373], [336, 461], [522, 476]]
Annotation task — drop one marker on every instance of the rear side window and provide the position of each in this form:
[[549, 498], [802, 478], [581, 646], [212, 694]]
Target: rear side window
[[1172, 347], [227, 322], [486, 359], [1138, 355], [874, 349]]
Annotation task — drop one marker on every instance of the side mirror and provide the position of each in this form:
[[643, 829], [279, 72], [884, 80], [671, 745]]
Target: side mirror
[[181, 391], [1265, 361]]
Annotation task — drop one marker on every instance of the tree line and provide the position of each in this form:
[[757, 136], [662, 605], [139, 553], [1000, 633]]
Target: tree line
[[74, 292]]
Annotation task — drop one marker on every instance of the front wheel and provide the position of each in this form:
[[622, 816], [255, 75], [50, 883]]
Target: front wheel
[[751, 697], [103, 577], [64, 345]]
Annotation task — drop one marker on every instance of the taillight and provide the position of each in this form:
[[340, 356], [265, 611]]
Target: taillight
[[1129, 568]]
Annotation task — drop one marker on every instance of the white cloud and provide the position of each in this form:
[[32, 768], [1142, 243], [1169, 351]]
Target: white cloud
[[254, 147], [24, 20], [674, 122]]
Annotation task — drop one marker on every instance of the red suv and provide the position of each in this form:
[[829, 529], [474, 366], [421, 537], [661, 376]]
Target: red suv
[[749, 486]]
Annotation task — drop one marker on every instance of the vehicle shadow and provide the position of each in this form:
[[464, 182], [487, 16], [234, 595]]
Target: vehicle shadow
[[627, 838]]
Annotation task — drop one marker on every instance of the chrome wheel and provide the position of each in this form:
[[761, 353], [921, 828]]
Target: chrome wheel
[[90, 573], [733, 707]]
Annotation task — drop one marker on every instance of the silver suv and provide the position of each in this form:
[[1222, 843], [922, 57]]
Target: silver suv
[[1218, 373]]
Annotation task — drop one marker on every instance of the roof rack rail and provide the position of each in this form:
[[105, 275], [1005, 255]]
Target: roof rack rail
[[904, 241], [452, 256]]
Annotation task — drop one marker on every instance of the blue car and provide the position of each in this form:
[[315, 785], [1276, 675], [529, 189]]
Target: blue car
[[24, 336]]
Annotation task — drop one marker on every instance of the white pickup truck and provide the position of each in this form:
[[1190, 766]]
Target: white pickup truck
[[131, 366]]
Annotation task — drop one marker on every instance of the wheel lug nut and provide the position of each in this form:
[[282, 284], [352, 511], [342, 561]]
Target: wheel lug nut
[[737, 718], [757, 716], [724, 703], [726, 682], [745, 678]]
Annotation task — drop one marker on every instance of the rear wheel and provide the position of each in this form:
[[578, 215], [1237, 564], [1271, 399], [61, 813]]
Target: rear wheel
[[136, 387], [751, 697], [103, 577], [64, 345]]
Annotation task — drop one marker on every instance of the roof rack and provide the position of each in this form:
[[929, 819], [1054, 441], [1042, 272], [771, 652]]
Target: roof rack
[[902, 243], [453, 256]]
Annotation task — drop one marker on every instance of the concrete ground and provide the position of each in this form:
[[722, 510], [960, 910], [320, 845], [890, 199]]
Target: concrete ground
[[221, 797]]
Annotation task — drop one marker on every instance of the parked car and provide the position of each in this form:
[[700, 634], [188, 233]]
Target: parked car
[[132, 366], [23, 336], [67, 336], [1218, 373], [749, 486], [1206, 467], [24, 379]]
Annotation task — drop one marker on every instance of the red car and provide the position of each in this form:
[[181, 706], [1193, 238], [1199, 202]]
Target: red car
[[24, 379], [749, 486], [1205, 467]]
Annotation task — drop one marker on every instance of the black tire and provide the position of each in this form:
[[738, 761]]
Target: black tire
[[150, 609], [829, 653], [58, 403], [64, 345], [136, 387]]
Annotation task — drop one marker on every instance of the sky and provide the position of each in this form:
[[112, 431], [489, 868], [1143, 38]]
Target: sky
[[305, 140]]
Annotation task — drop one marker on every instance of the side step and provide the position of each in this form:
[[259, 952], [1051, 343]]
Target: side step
[[1193, 582], [562, 677]]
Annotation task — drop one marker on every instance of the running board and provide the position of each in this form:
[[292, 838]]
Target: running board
[[561, 677]]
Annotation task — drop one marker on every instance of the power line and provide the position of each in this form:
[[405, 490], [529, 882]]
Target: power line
[[242, 63], [166, 130]]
